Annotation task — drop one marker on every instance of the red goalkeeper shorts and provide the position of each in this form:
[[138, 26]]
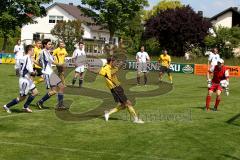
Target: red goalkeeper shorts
[[215, 87]]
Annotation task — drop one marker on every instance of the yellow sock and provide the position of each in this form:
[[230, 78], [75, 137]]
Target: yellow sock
[[38, 80], [61, 76], [132, 112], [170, 78], [114, 110]]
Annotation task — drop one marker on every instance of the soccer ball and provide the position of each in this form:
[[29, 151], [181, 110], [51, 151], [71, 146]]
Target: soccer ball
[[224, 83]]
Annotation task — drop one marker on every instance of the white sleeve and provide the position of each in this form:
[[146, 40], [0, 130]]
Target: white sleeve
[[74, 53], [29, 66], [137, 55], [18, 64], [50, 58], [227, 73], [210, 57], [15, 49], [148, 58]]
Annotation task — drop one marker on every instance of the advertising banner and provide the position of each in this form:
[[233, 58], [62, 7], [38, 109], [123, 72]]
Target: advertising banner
[[201, 69], [8, 58], [154, 66], [0, 58]]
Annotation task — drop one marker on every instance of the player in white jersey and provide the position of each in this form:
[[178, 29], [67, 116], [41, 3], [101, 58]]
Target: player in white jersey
[[26, 85], [53, 82], [212, 62], [143, 59], [19, 53], [79, 58]]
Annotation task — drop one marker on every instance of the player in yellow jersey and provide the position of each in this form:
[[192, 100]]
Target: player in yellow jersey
[[109, 71], [37, 68], [165, 62], [59, 56]]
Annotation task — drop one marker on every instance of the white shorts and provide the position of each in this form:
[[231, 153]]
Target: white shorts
[[80, 69], [26, 86], [142, 67], [51, 80]]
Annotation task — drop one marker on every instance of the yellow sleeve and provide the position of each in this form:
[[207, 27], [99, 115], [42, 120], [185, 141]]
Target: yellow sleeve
[[66, 54], [106, 72], [160, 58], [55, 51], [102, 71]]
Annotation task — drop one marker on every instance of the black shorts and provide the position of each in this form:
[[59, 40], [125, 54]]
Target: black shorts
[[118, 94], [38, 71], [164, 69]]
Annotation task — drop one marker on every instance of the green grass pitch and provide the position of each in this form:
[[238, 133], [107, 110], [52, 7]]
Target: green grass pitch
[[176, 126]]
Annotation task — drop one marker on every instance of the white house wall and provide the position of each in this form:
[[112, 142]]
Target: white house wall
[[43, 25], [225, 20]]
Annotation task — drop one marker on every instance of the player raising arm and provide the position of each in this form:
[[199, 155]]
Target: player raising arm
[[109, 71], [26, 84], [220, 80]]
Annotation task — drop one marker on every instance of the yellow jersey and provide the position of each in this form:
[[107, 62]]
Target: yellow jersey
[[165, 59], [36, 56], [59, 55], [110, 73]]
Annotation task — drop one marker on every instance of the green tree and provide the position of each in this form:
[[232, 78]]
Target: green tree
[[132, 33], [16, 13], [176, 28], [162, 5], [225, 39], [69, 32], [115, 14]]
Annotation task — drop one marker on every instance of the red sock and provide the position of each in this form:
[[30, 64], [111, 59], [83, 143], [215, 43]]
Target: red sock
[[217, 102], [208, 100]]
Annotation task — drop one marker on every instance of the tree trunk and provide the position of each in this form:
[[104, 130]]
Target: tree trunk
[[111, 37], [5, 39], [111, 43]]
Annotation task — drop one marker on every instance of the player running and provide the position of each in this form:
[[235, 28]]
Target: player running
[[26, 85], [109, 71], [79, 59], [165, 61], [19, 53], [143, 59], [53, 82], [220, 80], [212, 62], [59, 56], [37, 68]]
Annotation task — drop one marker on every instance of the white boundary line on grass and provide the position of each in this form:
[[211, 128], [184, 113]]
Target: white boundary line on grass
[[81, 150], [19, 114]]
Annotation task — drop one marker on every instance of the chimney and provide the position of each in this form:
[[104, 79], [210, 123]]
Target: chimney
[[200, 13], [235, 8], [70, 4]]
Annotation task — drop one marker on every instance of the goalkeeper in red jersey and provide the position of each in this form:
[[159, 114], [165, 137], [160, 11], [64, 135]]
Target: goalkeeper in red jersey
[[220, 81]]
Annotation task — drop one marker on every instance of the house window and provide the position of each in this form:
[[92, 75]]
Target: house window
[[103, 38], [55, 19], [36, 36], [59, 18], [52, 19]]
